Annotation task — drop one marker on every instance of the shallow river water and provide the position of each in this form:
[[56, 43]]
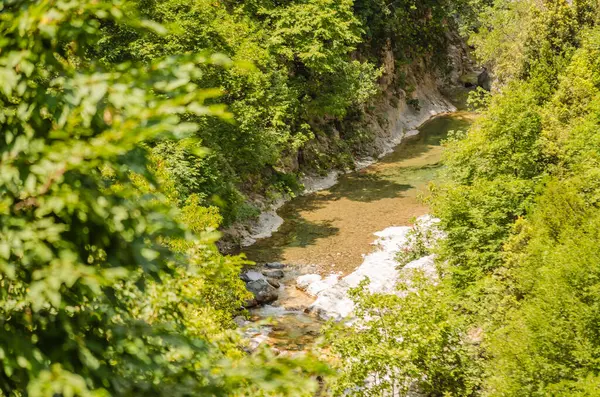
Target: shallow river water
[[330, 231]]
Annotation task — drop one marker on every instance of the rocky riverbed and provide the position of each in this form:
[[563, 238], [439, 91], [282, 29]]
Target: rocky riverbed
[[332, 239], [298, 301]]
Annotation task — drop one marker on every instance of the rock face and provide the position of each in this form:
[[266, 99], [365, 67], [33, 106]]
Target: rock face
[[484, 81], [469, 79], [263, 290]]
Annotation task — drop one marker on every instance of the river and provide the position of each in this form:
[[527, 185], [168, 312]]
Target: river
[[330, 231]]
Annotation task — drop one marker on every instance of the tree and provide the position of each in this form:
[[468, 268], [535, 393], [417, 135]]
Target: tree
[[83, 249], [411, 341], [302, 72]]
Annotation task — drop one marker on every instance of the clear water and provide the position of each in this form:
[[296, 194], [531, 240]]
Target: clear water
[[333, 228], [331, 231]]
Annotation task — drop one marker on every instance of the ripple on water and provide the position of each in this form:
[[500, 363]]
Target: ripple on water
[[288, 330]]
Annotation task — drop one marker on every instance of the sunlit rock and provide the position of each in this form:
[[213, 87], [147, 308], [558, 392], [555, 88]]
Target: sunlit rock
[[380, 267]]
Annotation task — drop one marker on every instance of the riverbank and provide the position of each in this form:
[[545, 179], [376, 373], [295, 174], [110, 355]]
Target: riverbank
[[333, 232], [391, 120], [332, 229]]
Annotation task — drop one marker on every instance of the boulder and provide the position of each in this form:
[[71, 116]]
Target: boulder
[[273, 282], [274, 265], [274, 273], [240, 321], [263, 291], [251, 275], [411, 133]]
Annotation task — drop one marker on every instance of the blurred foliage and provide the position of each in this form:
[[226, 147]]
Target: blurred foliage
[[105, 289]]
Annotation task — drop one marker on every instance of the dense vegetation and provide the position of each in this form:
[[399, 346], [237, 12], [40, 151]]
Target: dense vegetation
[[132, 131], [110, 282], [105, 289], [515, 312], [302, 70]]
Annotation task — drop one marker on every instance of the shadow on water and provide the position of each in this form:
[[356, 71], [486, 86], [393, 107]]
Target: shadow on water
[[312, 219], [296, 231], [364, 186]]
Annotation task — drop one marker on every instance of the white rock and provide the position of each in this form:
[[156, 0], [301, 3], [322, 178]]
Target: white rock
[[379, 266], [364, 163], [411, 133], [315, 183], [304, 281], [320, 285], [267, 223], [426, 264]]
